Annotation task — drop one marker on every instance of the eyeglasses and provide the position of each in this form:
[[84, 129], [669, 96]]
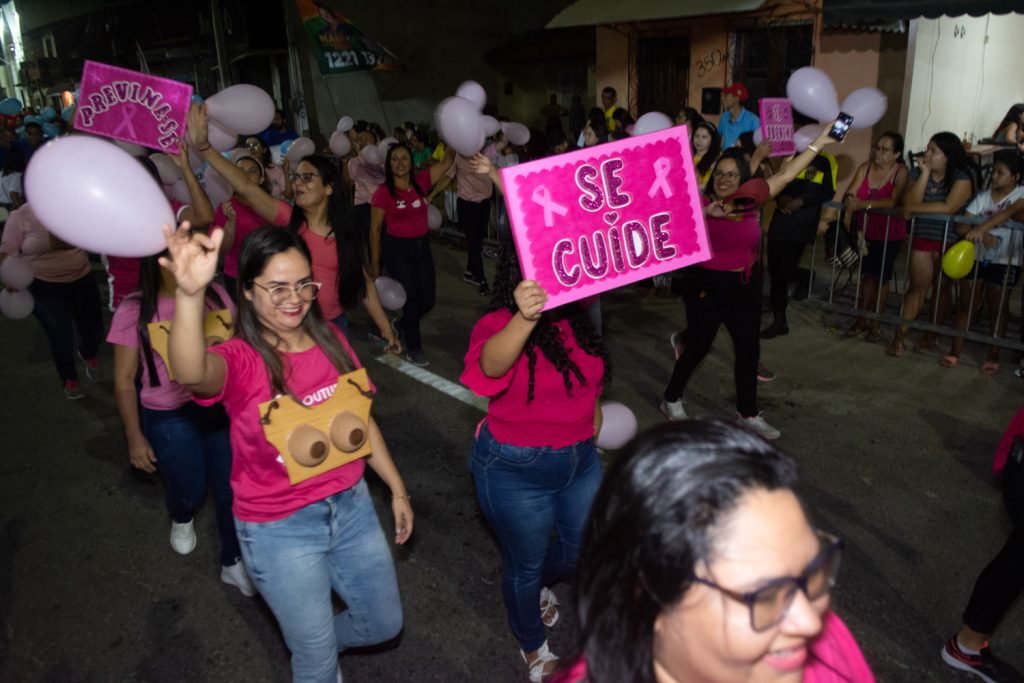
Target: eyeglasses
[[879, 148], [731, 175], [769, 604], [254, 145], [304, 178], [280, 294]]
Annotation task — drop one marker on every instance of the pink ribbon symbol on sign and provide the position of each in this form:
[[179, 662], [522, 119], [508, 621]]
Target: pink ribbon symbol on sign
[[661, 168], [126, 122], [542, 197]]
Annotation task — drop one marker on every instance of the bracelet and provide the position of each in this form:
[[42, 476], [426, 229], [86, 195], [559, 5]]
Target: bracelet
[[406, 497], [203, 149], [814, 149]]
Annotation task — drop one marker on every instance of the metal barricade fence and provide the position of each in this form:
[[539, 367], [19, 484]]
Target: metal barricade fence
[[836, 301]]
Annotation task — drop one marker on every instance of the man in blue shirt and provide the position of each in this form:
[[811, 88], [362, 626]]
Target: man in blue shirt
[[735, 119]]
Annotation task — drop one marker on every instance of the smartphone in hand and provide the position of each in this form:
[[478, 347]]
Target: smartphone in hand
[[840, 127]]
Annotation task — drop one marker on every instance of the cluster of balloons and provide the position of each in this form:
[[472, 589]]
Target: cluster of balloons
[[813, 94], [618, 425], [238, 110], [463, 125], [339, 143], [16, 301], [391, 293], [958, 260]]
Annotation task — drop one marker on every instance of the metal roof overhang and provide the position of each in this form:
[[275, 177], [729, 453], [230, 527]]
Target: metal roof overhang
[[594, 12], [865, 13]]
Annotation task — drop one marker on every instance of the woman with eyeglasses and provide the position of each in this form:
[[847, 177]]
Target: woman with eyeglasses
[[726, 289], [321, 217], [398, 234], [299, 541], [279, 183], [878, 184], [699, 564]]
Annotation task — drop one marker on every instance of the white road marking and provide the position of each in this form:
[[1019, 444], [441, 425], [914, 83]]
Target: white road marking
[[456, 391]]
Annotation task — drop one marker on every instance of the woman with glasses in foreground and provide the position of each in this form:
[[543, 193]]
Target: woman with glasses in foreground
[[699, 564]]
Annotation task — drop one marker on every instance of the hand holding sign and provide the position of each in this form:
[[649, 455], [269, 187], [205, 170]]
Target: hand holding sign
[[530, 300]]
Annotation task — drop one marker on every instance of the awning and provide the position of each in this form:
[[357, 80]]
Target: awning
[[865, 13], [594, 12]]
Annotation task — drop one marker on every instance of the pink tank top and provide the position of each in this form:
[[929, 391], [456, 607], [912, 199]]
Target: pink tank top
[[874, 226]]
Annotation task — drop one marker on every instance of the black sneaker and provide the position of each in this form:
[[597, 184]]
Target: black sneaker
[[776, 329], [764, 374], [471, 279], [484, 289], [983, 665]]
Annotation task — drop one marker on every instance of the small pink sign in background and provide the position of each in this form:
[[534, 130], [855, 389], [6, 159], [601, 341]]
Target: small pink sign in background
[[132, 106], [777, 124], [603, 217]]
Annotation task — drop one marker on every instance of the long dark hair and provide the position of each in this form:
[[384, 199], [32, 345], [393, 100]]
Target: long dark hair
[[258, 248], [348, 240], [957, 160], [1013, 115], [714, 149], [598, 123], [652, 521], [546, 336], [743, 167], [389, 177], [148, 294]]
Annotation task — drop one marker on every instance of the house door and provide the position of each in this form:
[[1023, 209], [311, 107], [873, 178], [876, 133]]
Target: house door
[[662, 68]]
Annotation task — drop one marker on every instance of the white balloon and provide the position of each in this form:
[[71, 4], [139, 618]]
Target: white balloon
[[16, 305], [457, 119], [434, 218], [618, 425], [384, 145], [301, 147], [340, 144], [866, 105], [474, 92], [490, 125], [651, 122], [806, 135], [345, 124], [16, 272], [243, 108], [221, 137], [371, 156], [517, 133]]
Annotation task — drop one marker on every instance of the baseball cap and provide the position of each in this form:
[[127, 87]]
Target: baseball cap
[[737, 89]]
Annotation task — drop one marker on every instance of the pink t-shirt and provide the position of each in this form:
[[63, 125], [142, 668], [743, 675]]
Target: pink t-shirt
[[366, 179], [246, 220], [169, 395], [123, 272], [263, 492], [554, 418], [325, 270], [1015, 428], [473, 187], [25, 236], [734, 241], [405, 214]]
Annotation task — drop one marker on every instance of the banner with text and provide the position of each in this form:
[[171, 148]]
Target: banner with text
[[603, 217], [777, 124], [339, 45], [132, 106]]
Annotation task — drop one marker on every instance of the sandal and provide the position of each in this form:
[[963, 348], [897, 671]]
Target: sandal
[[538, 667], [949, 361], [990, 367], [548, 604], [874, 335], [855, 329], [897, 349]]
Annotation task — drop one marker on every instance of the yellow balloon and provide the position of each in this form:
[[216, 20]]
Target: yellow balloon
[[959, 260]]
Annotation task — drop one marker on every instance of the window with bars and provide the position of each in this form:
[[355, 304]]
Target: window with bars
[[764, 56]]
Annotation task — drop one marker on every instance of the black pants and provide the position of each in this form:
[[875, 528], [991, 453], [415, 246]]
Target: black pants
[[473, 219], [361, 220], [410, 261], [60, 308], [1002, 581], [714, 298], [783, 270]]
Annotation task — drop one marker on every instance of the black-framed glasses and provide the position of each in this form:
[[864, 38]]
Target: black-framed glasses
[[304, 178], [769, 604], [280, 294], [731, 175]]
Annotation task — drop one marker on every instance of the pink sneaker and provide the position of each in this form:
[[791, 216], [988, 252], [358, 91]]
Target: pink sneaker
[[92, 366], [73, 390]]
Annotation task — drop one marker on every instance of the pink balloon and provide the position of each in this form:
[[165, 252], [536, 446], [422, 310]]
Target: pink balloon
[[96, 196], [458, 122], [16, 272], [217, 189], [222, 138], [371, 156], [866, 106], [345, 124], [651, 122], [490, 125], [179, 191], [434, 218], [806, 135], [618, 426], [758, 137], [340, 144], [517, 133], [474, 92], [391, 293], [301, 147], [812, 93], [16, 305], [165, 166], [243, 108]]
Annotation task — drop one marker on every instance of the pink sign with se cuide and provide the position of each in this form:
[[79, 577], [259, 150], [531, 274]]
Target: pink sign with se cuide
[[776, 114], [132, 106], [603, 217]]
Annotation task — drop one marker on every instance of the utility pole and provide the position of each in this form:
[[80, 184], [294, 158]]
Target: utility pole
[[217, 26]]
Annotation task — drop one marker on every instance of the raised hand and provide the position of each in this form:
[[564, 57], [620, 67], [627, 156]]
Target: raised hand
[[229, 210], [479, 163], [193, 257], [181, 158], [198, 125], [530, 299]]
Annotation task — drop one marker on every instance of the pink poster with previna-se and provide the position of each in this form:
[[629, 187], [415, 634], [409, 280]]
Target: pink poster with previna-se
[[132, 106], [777, 124], [603, 217]]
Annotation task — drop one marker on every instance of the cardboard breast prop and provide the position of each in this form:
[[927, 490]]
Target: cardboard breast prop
[[217, 329], [330, 434], [605, 216]]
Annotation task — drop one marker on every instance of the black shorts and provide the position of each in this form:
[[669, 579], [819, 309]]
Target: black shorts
[[873, 267]]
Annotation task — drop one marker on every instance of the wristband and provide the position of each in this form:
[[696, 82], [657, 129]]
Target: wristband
[[203, 149], [814, 149], [394, 497]]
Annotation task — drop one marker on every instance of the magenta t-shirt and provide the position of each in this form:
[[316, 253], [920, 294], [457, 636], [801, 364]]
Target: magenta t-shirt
[[263, 492], [246, 220], [734, 242], [405, 214], [554, 418], [169, 395]]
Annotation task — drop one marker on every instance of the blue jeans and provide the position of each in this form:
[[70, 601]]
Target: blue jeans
[[341, 322], [60, 308], [335, 543], [526, 494], [193, 451]]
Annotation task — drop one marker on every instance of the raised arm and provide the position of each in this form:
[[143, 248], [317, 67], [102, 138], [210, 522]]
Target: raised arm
[[503, 349], [792, 168], [200, 214], [440, 168], [480, 163]]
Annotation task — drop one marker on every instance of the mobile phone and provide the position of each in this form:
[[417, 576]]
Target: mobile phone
[[840, 127]]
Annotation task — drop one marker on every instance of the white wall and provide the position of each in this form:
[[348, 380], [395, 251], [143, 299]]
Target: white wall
[[965, 73]]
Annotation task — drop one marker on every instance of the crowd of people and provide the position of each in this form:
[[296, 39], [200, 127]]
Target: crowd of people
[[729, 582]]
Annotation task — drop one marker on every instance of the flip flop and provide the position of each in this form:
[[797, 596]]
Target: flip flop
[[874, 335], [896, 350], [949, 361], [990, 367]]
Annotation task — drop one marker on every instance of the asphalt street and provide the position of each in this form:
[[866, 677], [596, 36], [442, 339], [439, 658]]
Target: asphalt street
[[894, 454]]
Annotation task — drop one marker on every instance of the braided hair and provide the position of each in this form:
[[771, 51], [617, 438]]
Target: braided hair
[[547, 337]]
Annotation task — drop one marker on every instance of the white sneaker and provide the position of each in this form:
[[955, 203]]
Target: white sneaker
[[674, 411], [759, 425], [236, 576], [183, 537]]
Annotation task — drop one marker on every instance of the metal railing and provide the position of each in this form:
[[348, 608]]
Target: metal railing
[[836, 300]]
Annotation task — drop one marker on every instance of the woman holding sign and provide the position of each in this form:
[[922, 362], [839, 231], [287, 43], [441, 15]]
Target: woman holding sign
[[726, 290], [299, 541], [534, 461]]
